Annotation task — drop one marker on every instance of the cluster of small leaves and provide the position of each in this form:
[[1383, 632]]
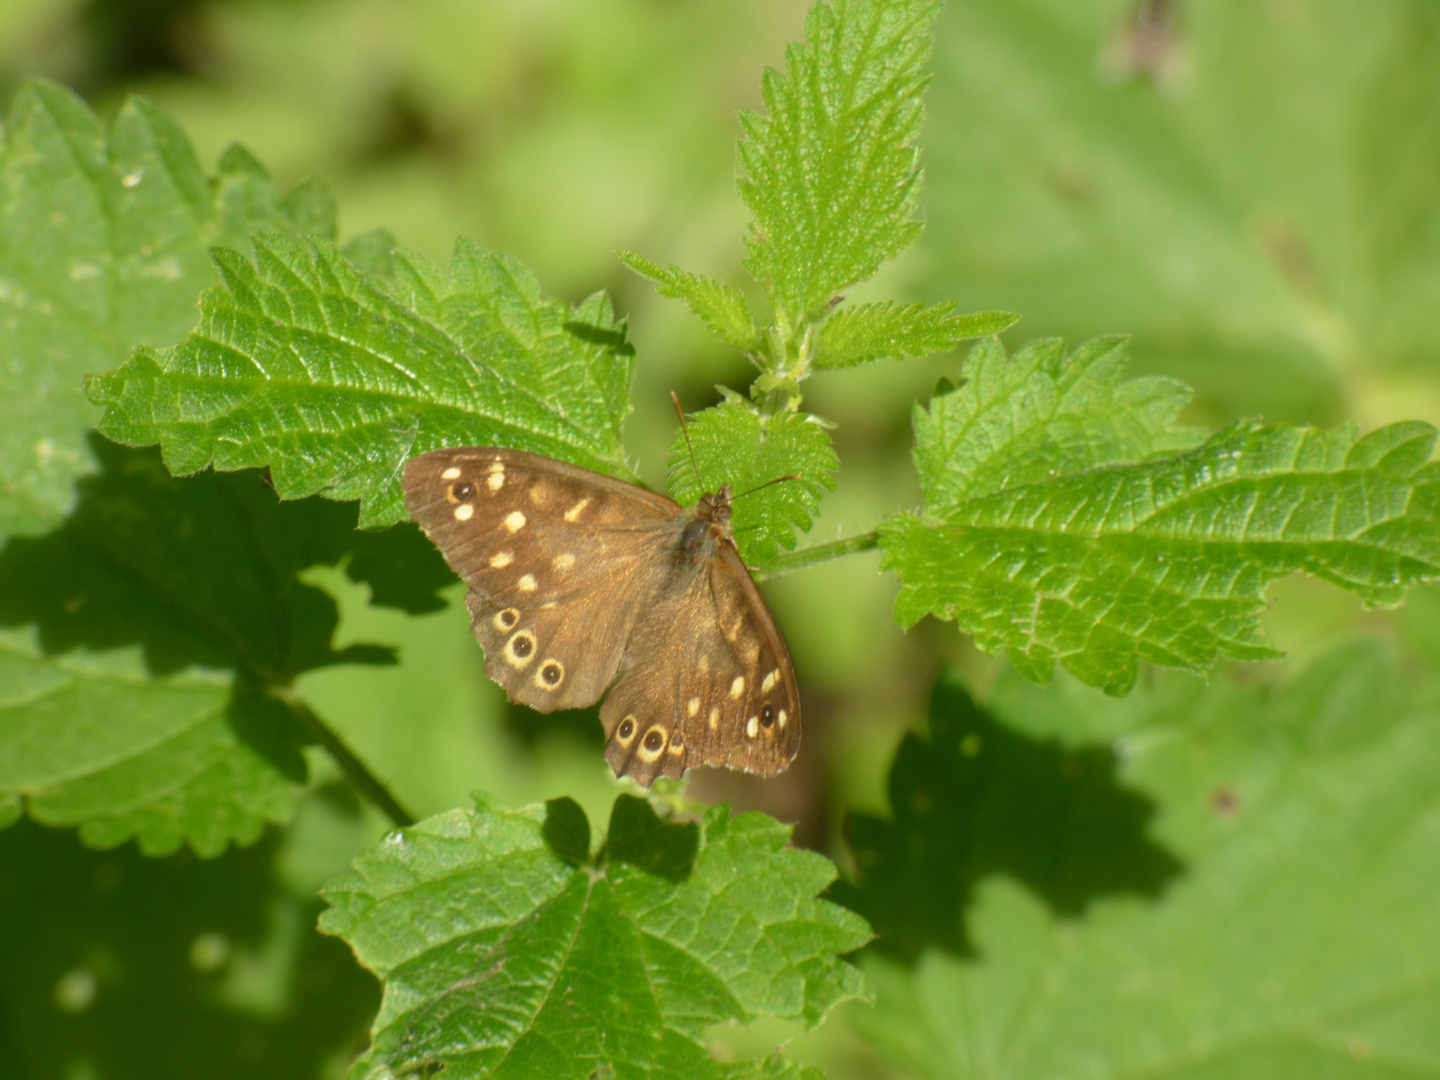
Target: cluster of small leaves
[[1060, 525], [507, 950], [779, 463], [334, 378], [831, 176], [1304, 820]]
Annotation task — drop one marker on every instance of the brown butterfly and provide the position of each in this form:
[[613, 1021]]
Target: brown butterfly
[[576, 578]]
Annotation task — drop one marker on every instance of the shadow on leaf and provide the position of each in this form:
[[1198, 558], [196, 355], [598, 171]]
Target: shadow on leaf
[[119, 965], [204, 571], [975, 799], [639, 837]]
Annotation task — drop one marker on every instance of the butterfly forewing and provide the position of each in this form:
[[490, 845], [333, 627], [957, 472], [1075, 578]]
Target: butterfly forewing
[[542, 546], [576, 578]]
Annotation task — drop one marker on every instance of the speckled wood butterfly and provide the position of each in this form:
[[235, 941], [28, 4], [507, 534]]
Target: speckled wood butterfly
[[578, 580]]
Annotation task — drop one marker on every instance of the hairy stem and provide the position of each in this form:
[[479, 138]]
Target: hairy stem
[[817, 553], [365, 783]]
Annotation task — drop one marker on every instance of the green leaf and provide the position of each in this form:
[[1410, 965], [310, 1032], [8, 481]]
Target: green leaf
[[1041, 414], [98, 744], [736, 445], [1297, 942], [155, 634], [858, 335], [1163, 560], [721, 306], [103, 246], [831, 173], [334, 379], [1250, 190], [499, 955]]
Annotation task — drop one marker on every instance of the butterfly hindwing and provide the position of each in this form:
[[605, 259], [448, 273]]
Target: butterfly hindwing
[[707, 681]]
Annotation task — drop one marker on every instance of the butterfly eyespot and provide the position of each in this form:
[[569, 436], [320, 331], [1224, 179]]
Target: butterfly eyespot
[[653, 744], [506, 620], [520, 649], [462, 492], [551, 672], [626, 731], [767, 716]]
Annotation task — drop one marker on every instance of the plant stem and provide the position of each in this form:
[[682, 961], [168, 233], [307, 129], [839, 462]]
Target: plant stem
[[817, 553], [365, 783]]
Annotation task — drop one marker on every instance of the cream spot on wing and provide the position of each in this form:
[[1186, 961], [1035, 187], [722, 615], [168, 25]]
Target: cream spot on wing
[[738, 686], [496, 480], [752, 726], [704, 665], [514, 521], [563, 562], [495, 466], [692, 706], [781, 718], [452, 473], [539, 495], [573, 514], [527, 583], [714, 717], [548, 605], [501, 560], [769, 681], [464, 512]]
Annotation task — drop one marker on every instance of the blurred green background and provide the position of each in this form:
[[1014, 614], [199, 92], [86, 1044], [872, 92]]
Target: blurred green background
[[1251, 188]]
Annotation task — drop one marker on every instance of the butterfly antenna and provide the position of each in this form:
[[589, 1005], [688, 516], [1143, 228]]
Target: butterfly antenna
[[767, 483], [685, 430]]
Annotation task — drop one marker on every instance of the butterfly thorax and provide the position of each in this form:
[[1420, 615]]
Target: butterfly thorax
[[707, 526]]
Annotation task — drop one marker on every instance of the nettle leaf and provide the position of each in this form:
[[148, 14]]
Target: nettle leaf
[[1164, 559], [95, 742], [152, 638], [1293, 944], [334, 378], [721, 306], [734, 444], [858, 335], [831, 174], [503, 953], [1041, 414], [104, 242]]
